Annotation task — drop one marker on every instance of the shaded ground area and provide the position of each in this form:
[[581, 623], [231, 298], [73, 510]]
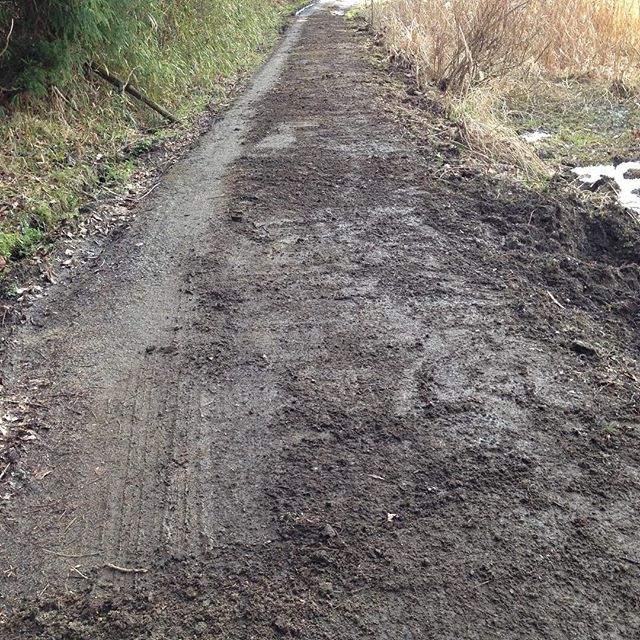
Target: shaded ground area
[[331, 386]]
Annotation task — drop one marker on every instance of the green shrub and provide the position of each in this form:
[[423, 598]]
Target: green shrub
[[157, 42], [66, 135]]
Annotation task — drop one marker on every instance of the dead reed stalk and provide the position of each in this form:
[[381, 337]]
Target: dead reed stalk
[[458, 44], [472, 50]]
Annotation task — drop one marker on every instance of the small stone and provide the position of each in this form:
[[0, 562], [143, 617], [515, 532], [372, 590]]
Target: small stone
[[321, 558], [284, 626], [584, 349], [325, 587]]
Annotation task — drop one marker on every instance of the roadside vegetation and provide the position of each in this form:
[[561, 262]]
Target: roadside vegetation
[[503, 68], [66, 135]]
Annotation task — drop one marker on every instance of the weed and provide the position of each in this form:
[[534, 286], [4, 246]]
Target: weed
[[611, 430], [17, 244]]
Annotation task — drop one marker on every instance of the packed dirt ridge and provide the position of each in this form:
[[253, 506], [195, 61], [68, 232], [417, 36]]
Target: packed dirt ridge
[[323, 388]]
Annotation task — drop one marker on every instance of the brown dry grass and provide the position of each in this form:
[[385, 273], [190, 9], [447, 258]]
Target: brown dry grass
[[461, 43], [477, 51]]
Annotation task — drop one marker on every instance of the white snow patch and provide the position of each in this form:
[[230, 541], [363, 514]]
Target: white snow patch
[[535, 136], [628, 188]]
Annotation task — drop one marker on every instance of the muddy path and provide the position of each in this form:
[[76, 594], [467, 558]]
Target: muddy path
[[322, 390]]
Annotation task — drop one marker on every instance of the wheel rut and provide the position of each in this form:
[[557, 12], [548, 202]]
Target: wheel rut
[[130, 347]]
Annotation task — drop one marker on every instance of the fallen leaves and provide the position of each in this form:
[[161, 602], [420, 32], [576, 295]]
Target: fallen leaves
[[33, 290], [49, 275], [17, 426]]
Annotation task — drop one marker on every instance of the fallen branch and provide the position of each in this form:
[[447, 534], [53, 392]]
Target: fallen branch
[[6, 46], [125, 86], [115, 567], [555, 300]]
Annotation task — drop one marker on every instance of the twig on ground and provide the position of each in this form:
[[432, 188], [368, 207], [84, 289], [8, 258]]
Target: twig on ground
[[555, 300], [115, 567], [70, 555], [4, 471], [481, 584], [70, 524], [79, 572], [144, 195]]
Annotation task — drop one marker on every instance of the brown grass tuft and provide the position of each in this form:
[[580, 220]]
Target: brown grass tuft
[[460, 43], [477, 51]]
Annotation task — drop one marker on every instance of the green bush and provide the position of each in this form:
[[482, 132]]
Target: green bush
[[65, 135], [153, 41]]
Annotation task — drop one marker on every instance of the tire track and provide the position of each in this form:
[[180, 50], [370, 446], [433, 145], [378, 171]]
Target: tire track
[[127, 473]]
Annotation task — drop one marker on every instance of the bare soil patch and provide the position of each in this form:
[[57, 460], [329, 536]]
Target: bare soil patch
[[337, 382]]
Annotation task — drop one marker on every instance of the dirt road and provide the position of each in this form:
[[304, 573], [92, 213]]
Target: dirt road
[[329, 387]]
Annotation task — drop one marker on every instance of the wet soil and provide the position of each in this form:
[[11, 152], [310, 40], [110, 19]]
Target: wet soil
[[328, 387]]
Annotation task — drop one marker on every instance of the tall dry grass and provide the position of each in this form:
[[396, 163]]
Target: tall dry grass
[[475, 50], [461, 43]]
